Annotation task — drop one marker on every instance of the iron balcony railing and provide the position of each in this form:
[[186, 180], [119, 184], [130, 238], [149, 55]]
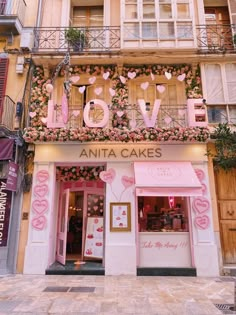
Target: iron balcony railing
[[94, 39], [168, 116], [7, 113], [13, 8], [216, 38]]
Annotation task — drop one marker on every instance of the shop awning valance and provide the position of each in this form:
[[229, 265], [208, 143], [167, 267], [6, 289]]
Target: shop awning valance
[[6, 149], [166, 179]]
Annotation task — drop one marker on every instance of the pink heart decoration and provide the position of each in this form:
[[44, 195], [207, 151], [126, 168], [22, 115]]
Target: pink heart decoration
[[41, 190], [112, 92], [75, 78], [181, 77], [168, 120], [98, 91], [32, 114], [38, 223], [131, 75], [200, 174], [202, 222], [49, 88], [75, 113], [204, 189], [201, 205], [92, 80], [42, 176], [106, 75], [82, 89], [122, 79], [40, 206], [132, 123], [95, 208], [127, 181], [144, 85], [120, 113], [161, 88], [44, 120], [152, 76], [108, 176], [168, 75]]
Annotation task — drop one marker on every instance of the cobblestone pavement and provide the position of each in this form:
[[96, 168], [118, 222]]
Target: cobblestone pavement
[[120, 295]]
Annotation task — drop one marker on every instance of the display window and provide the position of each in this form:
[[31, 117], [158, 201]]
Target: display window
[[162, 214]]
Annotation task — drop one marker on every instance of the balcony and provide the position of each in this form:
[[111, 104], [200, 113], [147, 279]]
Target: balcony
[[216, 38], [7, 115], [97, 39], [12, 17]]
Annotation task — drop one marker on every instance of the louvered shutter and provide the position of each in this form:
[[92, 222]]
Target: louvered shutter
[[3, 79], [232, 4]]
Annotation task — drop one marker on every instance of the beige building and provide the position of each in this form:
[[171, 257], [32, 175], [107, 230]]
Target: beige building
[[118, 97]]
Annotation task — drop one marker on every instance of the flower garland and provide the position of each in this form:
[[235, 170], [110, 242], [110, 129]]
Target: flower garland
[[76, 173], [85, 134]]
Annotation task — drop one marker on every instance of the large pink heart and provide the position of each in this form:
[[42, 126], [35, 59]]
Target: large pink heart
[[42, 176], [41, 190], [202, 222], [127, 181], [201, 205], [38, 223], [40, 206], [108, 176]]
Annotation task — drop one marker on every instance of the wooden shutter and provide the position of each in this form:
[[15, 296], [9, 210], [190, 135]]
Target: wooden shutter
[[3, 79]]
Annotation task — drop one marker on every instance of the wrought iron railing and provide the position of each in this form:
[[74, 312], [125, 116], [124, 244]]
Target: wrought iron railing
[[216, 38], [95, 39], [7, 112], [13, 8], [168, 116]]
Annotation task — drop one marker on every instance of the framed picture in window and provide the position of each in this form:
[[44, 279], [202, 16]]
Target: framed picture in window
[[120, 217]]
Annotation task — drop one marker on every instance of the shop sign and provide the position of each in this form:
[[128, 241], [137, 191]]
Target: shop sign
[[12, 177], [5, 207]]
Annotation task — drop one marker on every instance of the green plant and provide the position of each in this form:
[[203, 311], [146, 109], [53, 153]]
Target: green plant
[[234, 39], [225, 146], [75, 37]]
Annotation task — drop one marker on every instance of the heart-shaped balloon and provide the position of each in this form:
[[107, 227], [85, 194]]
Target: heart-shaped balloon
[[120, 113], [202, 222], [181, 77], [42, 176], [74, 78], [131, 75], [76, 112], [98, 90], [40, 206], [161, 88], [112, 92], [32, 114], [39, 222], [92, 80], [41, 190], [49, 88], [82, 89], [168, 75], [106, 75], [108, 176], [144, 85], [201, 205], [127, 181], [44, 120], [122, 79]]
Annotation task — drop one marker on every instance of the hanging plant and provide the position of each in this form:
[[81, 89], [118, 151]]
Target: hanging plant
[[225, 146]]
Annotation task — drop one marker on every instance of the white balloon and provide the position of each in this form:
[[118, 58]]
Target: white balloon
[[49, 88]]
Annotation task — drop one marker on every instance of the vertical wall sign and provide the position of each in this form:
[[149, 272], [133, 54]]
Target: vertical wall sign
[[12, 177], [5, 208], [40, 204]]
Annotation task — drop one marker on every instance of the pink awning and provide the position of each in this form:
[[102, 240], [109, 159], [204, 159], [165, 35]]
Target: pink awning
[[6, 149], [166, 179]]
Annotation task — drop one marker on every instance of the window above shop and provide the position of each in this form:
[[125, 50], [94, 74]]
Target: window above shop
[[87, 16]]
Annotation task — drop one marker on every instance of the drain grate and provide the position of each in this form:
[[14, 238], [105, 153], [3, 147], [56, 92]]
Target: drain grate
[[226, 308], [226, 279], [69, 289], [56, 289]]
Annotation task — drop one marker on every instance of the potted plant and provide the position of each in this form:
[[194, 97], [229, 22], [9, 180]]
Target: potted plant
[[75, 38]]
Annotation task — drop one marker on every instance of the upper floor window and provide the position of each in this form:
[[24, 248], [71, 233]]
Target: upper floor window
[[87, 16]]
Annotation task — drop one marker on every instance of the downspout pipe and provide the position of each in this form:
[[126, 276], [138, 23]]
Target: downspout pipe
[[39, 13]]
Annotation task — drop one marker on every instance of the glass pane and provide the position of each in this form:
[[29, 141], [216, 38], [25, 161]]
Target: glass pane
[[165, 11], [96, 16], [214, 84], [230, 69], [131, 31], [131, 11], [216, 114], [63, 211], [151, 94], [88, 16], [149, 11], [232, 114], [167, 30], [149, 30], [185, 30], [183, 11]]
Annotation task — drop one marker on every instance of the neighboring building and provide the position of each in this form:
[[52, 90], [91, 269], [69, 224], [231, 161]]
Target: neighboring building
[[121, 92]]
